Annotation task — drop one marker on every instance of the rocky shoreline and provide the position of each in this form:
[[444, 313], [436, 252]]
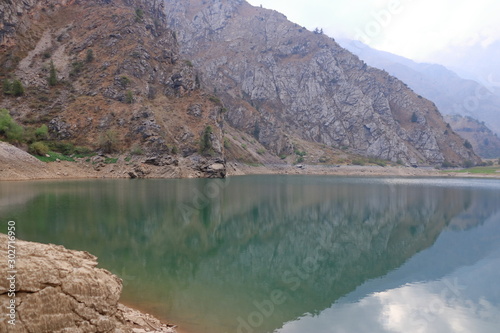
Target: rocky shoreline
[[15, 164], [61, 290]]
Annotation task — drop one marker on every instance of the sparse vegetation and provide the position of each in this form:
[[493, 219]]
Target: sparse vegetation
[[323, 159], [283, 156], [227, 143], [174, 150], [467, 144], [76, 68], [108, 142], [215, 99], [136, 150], [206, 147], [261, 151]]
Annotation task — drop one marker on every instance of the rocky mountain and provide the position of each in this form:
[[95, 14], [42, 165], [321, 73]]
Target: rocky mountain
[[189, 84], [451, 93], [281, 82], [483, 140], [107, 75]]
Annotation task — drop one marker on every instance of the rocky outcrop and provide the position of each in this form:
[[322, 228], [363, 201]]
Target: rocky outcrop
[[282, 82], [60, 290]]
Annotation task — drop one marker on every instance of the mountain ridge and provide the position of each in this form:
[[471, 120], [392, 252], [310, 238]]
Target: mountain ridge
[[263, 63]]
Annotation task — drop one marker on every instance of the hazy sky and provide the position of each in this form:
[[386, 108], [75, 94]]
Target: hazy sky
[[423, 30]]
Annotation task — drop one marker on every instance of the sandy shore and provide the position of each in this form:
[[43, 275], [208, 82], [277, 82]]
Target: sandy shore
[[348, 170]]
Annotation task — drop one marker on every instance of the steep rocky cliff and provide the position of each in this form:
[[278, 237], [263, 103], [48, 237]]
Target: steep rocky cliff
[[107, 75], [59, 290], [281, 83]]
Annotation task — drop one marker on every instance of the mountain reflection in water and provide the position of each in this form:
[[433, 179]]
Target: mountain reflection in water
[[254, 253]]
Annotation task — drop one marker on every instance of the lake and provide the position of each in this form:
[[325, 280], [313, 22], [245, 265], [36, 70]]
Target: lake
[[283, 254]]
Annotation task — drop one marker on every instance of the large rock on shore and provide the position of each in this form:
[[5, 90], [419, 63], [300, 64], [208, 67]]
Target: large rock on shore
[[61, 290]]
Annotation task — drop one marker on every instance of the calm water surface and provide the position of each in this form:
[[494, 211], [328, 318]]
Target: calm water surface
[[288, 254]]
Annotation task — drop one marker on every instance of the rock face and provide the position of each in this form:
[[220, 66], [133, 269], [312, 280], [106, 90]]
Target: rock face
[[283, 82], [483, 140], [59, 290]]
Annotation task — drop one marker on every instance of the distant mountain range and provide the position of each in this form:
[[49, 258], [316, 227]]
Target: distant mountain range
[[452, 94]]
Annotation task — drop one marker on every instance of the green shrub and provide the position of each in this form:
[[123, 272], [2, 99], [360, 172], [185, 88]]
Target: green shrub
[[7, 87], [448, 164], [111, 160], [174, 150], [129, 97], [139, 15], [52, 74], [467, 144], [38, 148], [90, 56], [227, 143], [17, 88], [468, 164], [206, 141], [42, 132], [358, 162], [63, 147], [283, 156], [11, 130], [261, 151], [124, 81], [414, 117], [323, 159], [299, 159]]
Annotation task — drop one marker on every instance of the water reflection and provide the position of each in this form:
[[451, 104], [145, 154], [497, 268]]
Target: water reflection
[[253, 253], [462, 296]]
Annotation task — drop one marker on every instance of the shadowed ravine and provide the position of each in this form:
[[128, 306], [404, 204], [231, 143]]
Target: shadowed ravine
[[254, 252]]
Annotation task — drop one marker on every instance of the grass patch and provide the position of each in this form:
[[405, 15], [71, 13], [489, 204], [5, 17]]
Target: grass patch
[[477, 170], [53, 156], [111, 160]]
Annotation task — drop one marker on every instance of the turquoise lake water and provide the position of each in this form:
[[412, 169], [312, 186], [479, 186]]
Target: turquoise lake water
[[283, 254]]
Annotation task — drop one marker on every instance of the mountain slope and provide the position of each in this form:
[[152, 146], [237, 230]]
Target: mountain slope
[[451, 93], [282, 83], [118, 85], [483, 140]]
